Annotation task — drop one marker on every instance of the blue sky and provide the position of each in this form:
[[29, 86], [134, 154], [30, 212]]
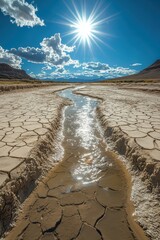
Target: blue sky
[[79, 39]]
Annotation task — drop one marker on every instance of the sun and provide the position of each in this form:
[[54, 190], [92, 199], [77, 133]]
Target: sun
[[83, 30], [86, 27]]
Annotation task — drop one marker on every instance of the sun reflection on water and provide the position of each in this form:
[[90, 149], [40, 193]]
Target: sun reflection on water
[[83, 135]]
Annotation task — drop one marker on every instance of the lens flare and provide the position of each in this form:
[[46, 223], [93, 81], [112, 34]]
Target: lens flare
[[86, 27]]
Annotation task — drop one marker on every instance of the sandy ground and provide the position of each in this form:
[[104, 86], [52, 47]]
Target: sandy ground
[[131, 122]]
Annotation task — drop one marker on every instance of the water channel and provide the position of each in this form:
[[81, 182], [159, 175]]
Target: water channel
[[83, 134]]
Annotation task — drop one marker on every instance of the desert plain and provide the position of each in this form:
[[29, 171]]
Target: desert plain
[[69, 173]]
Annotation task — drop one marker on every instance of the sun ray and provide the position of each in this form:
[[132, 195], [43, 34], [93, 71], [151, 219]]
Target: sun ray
[[86, 28]]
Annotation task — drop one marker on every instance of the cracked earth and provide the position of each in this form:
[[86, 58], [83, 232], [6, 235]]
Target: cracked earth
[[29, 125], [130, 117], [85, 196], [24, 119], [63, 209], [135, 113]]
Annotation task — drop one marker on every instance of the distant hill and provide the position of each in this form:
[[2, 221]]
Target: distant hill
[[152, 72], [8, 72]]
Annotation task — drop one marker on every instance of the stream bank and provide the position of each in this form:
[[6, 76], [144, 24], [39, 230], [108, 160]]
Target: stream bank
[[30, 133], [131, 124]]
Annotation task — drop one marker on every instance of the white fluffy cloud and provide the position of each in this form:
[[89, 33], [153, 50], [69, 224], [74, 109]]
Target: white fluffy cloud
[[61, 70], [32, 54], [97, 66], [90, 70], [120, 71], [136, 64], [55, 55], [51, 53], [98, 69], [21, 12], [9, 58]]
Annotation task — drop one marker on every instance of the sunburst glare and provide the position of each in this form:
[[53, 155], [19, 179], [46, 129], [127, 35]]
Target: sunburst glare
[[85, 26], [83, 29]]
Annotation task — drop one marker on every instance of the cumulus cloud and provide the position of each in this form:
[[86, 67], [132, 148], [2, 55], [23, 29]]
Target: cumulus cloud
[[136, 64], [61, 70], [41, 75], [55, 55], [47, 68], [110, 72], [54, 43], [21, 12], [90, 70], [32, 54], [9, 58], [102, 69], [51, 53], [95, 66], [58, 73], [120, 71]]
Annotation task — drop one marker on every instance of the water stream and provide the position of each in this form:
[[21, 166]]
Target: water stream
[[83, 133]]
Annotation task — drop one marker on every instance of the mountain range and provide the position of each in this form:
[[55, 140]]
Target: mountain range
[[8, 72], [152, 72]]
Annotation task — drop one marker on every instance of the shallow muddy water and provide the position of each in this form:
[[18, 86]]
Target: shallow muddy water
[[82, 132]]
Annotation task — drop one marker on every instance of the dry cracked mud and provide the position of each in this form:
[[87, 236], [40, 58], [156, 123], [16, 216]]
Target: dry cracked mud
[[85, 196], [130, 117], [29, 125]]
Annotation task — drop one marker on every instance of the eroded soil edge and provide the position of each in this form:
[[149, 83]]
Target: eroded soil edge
[[145, 172], [22, 180]]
